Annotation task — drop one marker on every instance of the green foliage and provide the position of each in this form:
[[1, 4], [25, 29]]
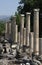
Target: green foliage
[[28, 6], [17, 19], [2, 27], [11, 18]]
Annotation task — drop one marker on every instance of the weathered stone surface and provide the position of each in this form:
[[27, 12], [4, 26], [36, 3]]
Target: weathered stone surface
[[21, 28], [6, 30], [24, 36], [40, 46], [13, 28], [19, 38], [9, 27], [27, 27], [31, 37], [36, 31], [16, 34]]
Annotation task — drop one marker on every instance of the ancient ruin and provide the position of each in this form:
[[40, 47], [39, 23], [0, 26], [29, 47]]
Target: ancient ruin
[[25, 42]]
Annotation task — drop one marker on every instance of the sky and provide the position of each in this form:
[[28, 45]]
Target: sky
[[8, 7]]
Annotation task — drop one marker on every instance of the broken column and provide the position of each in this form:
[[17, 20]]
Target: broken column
[[21, 29], [27, 27], [31, 37], [13, 28], [36, 31], [24, 36]]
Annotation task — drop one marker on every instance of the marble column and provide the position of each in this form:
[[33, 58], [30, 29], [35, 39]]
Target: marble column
[[40, 46], [9, 27], [13, 28], [24, 36], [6, 30], [31, 37], [19, 38], [21, 28], [27, 27], [36, 31], [9, 36], [16, 34]]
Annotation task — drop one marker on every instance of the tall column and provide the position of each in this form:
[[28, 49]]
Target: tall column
[[13, 28], [36, 31], [31, 36], [9, 36], [24, 36], [16, 34], [21, 28], [27, 27], [6, 30], [19, 38], [9, 27], [40, 46]]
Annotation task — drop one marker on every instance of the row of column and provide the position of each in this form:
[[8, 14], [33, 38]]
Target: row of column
[[25, 37]]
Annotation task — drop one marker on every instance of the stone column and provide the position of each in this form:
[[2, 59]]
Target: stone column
[[16, 34], [36, 31], [13, 28], [9, 30], [40, 46], [27, 27], [24, 36], [31, 37], [19, 38], [21, 29], [6, 30], [9, 27]]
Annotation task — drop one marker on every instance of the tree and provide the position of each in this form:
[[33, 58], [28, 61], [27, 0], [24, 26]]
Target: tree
[[28, 6], [2, 27], [17, 19]]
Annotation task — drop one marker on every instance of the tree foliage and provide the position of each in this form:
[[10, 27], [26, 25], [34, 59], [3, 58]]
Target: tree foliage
[[2, 27], [17, 20], [28, 6]]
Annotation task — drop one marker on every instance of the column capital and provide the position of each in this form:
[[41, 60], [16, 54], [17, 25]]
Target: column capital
[[22, 15], [36, 10], [28, 13]]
